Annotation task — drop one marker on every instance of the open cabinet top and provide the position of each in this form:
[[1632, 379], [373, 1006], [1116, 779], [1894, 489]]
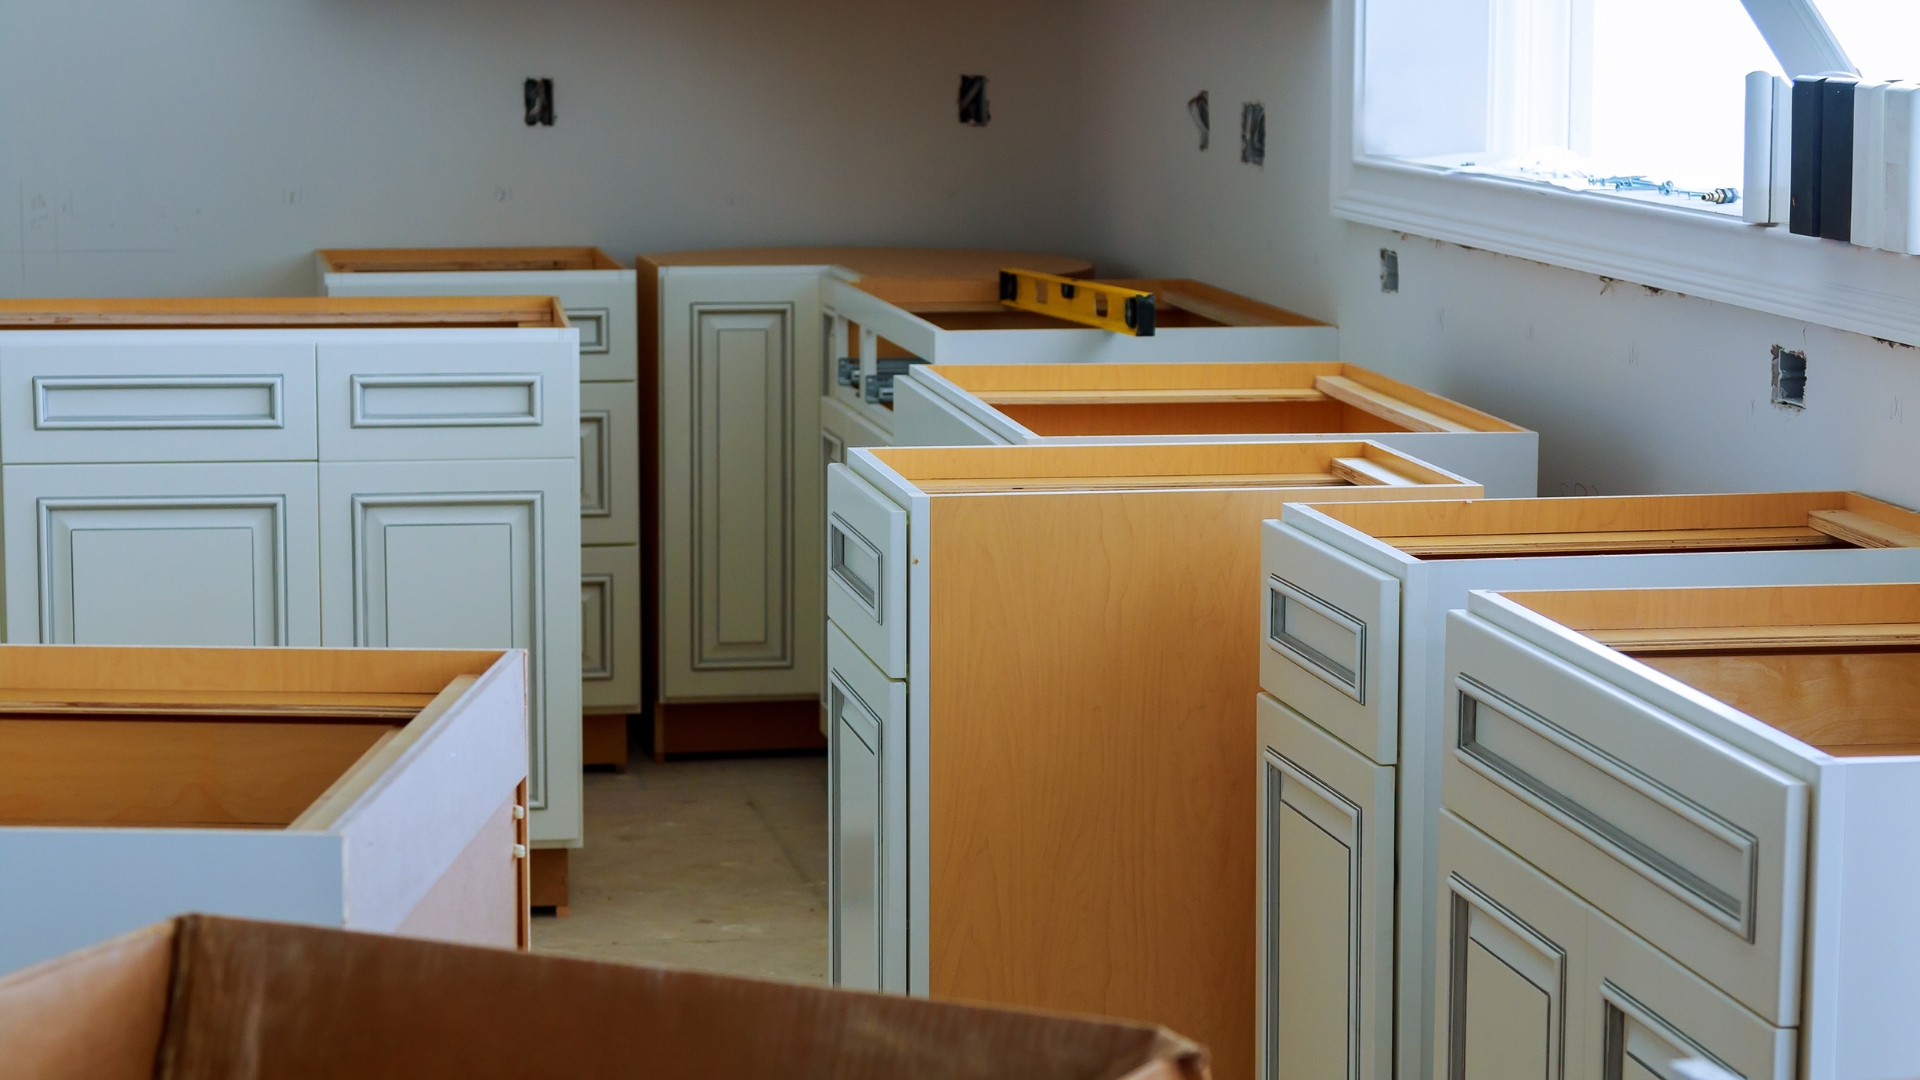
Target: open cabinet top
[[1178, 302], [1209, 398], [456, 260], [897, 275], [1835, 666], [1626, 524], [283, 313], [212, 738], [1352, 468]]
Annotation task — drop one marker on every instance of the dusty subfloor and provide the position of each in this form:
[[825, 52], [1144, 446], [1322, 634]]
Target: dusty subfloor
[[717, 864]]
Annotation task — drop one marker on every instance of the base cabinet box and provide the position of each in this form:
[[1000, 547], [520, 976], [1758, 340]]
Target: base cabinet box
[[996, 404], [1102, 861], [380, 790], [372, 472], [1354, 641], [1727, 776]]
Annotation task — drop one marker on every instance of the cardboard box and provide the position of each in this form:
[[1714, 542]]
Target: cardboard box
[[208, 998]]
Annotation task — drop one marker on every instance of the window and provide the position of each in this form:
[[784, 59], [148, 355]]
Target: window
[[1609, 136]]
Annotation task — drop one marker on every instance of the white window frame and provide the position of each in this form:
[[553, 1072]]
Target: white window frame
[[1696, 252]]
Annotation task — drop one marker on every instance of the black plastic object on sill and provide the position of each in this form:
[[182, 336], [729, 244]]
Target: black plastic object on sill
[[1822, 174]]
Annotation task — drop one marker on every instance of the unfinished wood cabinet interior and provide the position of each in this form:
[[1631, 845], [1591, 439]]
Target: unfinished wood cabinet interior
[[992, 404], [599, 298], [379, 471], [378, 790], [1728, 776], [1353, 673], [1101, 861], [737, 380]]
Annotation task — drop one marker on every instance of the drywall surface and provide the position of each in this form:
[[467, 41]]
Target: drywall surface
[[1631, 391], [208, 146]]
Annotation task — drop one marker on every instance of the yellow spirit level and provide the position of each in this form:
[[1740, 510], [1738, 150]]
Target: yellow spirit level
[[1105, 307]]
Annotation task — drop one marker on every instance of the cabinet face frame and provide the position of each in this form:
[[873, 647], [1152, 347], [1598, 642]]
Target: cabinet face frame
[[1429, 588]]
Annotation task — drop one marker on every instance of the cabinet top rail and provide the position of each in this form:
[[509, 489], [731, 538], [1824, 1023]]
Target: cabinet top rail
[[448, 260], [281, 312]]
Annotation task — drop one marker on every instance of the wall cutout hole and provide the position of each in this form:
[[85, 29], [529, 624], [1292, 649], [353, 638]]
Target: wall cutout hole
[[539, 100], [1253, 133], [1789, 378], [1197, 108], [1389, 271], [973, 101]]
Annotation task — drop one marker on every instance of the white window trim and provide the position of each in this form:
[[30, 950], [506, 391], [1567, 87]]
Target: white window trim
[[1695, 252]]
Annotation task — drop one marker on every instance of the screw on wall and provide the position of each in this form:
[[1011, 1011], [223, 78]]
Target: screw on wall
[[1197, 108], [539, 99], [973, 101], [1253, 133], [1789, 378], [1389, 271]]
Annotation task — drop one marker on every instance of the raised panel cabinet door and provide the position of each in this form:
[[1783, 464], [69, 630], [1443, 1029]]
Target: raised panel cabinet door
[[1326, 904], [740, 451], [867, 829], [468, 554], [209, 554], [157, 395], [610, 628], [449, 395], [609, 463], [1512, 966]]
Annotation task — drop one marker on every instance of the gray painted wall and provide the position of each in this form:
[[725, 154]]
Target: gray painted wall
[[208, 146]]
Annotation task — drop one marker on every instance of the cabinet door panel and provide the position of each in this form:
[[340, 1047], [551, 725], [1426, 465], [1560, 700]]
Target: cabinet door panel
[[162, 554], [609, 464], [610, 628], [468, 555], [1326, 904], [1512, 965], [867, 801], [739, 504]]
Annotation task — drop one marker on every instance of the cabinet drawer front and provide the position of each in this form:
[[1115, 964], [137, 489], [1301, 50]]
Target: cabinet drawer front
[[609, 463], [1331, 640], [1691, 843], [1326, 904], [867, 869], [154, 399], [436, 399], [610, 628], [867, 568]]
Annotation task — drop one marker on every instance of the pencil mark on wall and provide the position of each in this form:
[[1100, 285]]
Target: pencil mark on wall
[[1197, 109]]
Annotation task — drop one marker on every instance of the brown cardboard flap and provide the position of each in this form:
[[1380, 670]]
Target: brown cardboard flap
[[95, 1014], [263, 1000]]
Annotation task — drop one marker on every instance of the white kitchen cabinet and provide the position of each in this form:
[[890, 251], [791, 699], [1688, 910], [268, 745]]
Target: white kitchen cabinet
[[381, 791], [1727, 774], [609, 642], [1326, 880], [867, 778], [985, 404], [1058, 623], [600, 299], [735, 361], [378, 472], [1356, 599]]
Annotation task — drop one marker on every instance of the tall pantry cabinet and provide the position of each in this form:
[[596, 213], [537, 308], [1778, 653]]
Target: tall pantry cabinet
[[736, 357]]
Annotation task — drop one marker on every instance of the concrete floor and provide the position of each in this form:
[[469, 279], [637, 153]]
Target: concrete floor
[[716, 864]]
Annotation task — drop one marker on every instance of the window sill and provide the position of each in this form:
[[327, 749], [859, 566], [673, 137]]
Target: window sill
[[1697, 251]]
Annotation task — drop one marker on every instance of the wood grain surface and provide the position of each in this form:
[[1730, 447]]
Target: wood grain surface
[[281, 312], [1093, 669], [442, 260]]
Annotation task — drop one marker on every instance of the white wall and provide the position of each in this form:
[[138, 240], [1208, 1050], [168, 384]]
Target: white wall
[[1631, 392], [208, 146]]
